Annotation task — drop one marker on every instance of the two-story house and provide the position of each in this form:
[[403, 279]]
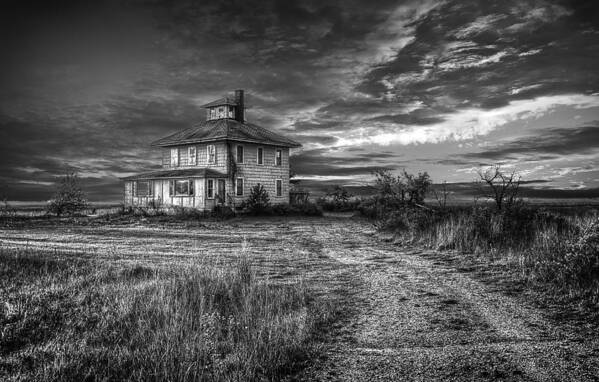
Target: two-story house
[[216, 161]]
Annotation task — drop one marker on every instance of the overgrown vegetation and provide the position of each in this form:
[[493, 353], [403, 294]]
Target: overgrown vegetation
[[258, 204], [338, 198], [69, 198], [545, 247], [66, 318], [6, 210]]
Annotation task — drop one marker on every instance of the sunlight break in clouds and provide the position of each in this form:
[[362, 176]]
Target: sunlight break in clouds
[[468, 123]]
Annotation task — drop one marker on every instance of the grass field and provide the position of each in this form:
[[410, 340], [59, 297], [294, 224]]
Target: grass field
[[274, 298], [152, 302]]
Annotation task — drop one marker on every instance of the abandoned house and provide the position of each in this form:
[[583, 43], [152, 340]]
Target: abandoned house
[[215, 162]]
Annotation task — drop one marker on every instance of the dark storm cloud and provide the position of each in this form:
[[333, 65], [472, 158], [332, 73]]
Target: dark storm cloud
[[88, 85], [407, 119], [488, 54], [321, 162], [545, 144]]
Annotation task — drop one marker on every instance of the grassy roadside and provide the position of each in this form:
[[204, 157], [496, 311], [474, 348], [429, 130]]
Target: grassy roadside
[[554, 251], [63, 317]]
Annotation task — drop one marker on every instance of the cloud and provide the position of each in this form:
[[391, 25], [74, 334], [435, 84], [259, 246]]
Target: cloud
[[468, 123], [323, 162], [554, 142]]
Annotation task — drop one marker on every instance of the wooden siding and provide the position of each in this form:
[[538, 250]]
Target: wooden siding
[[265, 174], [251, 172], [201, 156]]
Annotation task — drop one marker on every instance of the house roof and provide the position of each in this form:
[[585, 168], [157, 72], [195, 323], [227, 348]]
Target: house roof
[[220, 102], [229, 129], [178, 173]]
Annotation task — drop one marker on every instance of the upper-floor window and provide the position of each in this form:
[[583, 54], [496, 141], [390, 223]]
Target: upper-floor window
[[231, 111], [174, 157], [279, 187], [221, 112], [212, 113], [191, 153], [239, 154], [278, 157], [260, 156], [211, 154]]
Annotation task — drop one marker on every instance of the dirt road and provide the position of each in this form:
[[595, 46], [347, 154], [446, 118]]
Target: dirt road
[[407, 316]]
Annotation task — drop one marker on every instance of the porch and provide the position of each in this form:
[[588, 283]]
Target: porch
[[201, 189]]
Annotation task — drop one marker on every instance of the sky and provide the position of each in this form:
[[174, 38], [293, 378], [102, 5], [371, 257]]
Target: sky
[[439, 86]]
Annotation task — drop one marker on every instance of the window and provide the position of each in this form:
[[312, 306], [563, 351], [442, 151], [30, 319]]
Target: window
[[174, 157], [239, 154], [231, 111], [211, 152], [239, 187], [210, 188], [279, 187], [191, 153], [278, 157], [213, 113], [181, 187], [143, 188], [221, 112], [260, 155]]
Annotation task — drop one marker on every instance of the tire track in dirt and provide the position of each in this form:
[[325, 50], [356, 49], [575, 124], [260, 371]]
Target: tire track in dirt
[[419, 320]]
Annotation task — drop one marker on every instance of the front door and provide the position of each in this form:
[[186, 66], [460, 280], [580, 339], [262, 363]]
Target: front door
[[220, 191]]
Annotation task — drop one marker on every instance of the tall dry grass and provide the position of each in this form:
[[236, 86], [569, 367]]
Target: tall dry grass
[[559, 249], [64, 318]]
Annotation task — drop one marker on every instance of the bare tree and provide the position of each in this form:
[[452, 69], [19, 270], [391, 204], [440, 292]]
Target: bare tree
[[499, 185]]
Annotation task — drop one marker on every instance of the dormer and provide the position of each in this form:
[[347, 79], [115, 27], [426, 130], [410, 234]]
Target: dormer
[[227, 108]]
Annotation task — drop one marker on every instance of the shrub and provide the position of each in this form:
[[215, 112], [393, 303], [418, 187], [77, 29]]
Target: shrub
[[405, 188], [188, 213], [338, 199], [258, 202], [573, 265], [69, 198], [6, 210], [308, 209], [222, 212]]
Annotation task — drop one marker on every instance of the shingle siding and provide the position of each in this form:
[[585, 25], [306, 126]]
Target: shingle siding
[[201, 156], [251, 172], [265, 174]]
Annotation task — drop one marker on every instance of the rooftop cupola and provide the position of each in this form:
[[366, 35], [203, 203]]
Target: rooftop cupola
[[227, 107]]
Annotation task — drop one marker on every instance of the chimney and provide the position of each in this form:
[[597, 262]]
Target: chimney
[[240, 114]]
